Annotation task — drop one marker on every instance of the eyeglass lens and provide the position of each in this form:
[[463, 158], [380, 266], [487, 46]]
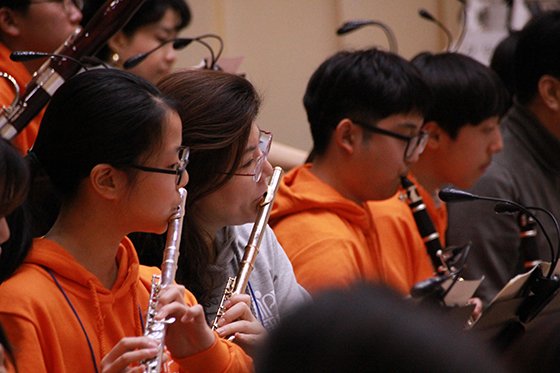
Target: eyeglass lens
[[183, 162], [416, 145], [265, 141]]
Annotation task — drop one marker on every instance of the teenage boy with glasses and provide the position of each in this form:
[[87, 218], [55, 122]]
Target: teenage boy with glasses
[[365, 109], [32, 25]]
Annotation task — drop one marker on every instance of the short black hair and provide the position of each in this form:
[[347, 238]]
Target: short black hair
[[15, 4], [537, 54], [150, 12], [502, 60], [464, 91], [366, 85]]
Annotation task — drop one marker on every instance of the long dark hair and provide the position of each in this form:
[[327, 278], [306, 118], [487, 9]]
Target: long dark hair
[[14, 185], [217, 110]]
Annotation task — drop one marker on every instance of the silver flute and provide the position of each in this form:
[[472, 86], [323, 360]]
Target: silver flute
[[156, 329], [238, 284]]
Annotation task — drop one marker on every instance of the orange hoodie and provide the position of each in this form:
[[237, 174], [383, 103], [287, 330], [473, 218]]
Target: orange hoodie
[[46, 333], [332, 241], [390, 211], [436, 210], [26, 138]]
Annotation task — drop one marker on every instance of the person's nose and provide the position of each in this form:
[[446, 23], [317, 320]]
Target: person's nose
[[170, 54], [498, 142]]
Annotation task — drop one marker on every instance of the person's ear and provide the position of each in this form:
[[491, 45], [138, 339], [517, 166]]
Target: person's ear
[[435, 133], [549, 90], [107, 181], [116, 44], [345, 136], [9, 24]]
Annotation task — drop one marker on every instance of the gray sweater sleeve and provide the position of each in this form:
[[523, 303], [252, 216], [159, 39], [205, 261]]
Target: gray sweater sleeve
[[272, 283]]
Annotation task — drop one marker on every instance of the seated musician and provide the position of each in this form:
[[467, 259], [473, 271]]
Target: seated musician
[[155, 22], [365, 109], [79, 300], [229, 172], [29, 25], [464, 134]]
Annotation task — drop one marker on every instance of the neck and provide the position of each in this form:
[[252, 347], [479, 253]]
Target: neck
[[81, 238], [549, 118], [424, 172], [333, 173]]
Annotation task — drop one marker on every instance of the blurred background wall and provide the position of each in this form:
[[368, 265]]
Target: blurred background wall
[[284, 41]]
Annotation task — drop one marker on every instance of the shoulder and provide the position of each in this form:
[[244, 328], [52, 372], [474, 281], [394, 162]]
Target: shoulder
[[17, 296]]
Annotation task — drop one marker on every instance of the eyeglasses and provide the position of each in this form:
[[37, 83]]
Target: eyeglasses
[[265, 141], [415, 145], [79, 4], [179, 170]]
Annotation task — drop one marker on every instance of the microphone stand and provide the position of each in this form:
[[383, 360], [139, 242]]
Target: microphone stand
[[540, 289], [429, 17], [178, 44], [357, 24]]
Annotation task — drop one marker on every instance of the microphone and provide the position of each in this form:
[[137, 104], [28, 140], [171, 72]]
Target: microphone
[[22, 56], [356, 24], [449, 194], [178, 44], [430, 286], [429, 17], [135, 60]]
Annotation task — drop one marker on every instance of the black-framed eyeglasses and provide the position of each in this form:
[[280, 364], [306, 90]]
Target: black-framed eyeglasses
[[415, 145], [179, 169], [66, 3], [265, 141]]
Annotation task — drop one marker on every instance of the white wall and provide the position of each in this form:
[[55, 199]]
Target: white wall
[[284, 41]]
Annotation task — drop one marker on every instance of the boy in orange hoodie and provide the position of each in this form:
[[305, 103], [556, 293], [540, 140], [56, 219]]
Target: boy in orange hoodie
[[365, 109]]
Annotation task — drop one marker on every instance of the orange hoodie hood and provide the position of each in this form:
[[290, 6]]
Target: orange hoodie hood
[[49, 254], [300, 190]]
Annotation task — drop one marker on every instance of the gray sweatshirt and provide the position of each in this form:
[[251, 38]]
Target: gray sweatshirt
[[272, 285]]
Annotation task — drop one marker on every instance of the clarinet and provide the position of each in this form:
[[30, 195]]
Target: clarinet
[[238, 284], [83, 42], [429, 234], [156, 329], [528, 244]]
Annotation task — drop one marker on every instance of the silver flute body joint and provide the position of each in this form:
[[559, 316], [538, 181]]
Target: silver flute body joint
[[156, 329]]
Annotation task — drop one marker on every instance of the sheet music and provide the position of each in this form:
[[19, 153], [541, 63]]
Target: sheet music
[[461, 291]]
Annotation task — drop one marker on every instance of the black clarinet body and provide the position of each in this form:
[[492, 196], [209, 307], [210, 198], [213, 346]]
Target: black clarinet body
[[86, 41], [424, 223]]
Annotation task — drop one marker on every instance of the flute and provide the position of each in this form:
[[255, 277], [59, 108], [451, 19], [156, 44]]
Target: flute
[[238, 284], [156, 329]]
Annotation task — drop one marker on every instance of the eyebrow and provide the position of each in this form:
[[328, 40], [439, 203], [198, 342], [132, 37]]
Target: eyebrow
[[167, 29], [407, 125], [250, 149]]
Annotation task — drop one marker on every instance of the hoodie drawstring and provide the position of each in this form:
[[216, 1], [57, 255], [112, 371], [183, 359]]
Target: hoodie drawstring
[[92, 353], [100, 321]]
